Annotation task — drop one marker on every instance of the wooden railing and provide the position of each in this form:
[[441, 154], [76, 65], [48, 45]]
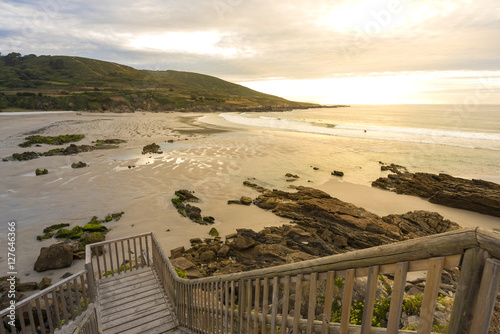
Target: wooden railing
[[50, 309], [299, 296], [119, 256], [314, 296]]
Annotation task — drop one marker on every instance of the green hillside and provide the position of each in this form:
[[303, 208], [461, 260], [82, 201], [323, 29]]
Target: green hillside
[[33, 82]]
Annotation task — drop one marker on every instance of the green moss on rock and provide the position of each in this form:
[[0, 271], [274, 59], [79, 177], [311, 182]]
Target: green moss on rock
[[54, 227], [95, 228]]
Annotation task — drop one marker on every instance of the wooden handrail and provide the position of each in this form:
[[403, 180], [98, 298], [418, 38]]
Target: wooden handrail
[[260, 300], [209, 299], [53, 307]]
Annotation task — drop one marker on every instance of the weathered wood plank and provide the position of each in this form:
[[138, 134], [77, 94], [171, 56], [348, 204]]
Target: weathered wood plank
[[130, 299], [39, 313], [112, 281], [371, 291], [136, 289], [286, 300], [265, 303], [487, 296], [298, 302], [249, 305], [159, 310], [397, 295], [140, 325], [274, 307], [327, 311], [233, 306], [150, 300], [312, 302], [488, 240], [134, 308], [346, 301], [467, 289], [31, 319], [432, 284], [257, 306], [227, 307]]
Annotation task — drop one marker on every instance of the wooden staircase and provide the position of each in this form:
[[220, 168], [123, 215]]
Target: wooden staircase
[[134, 303]]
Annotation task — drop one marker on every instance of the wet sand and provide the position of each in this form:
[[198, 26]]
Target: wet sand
[[211, 158]]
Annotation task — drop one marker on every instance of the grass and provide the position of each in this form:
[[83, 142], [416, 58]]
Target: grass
[[74, 83]]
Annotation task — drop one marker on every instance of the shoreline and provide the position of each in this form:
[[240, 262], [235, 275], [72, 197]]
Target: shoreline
[[211, 159]]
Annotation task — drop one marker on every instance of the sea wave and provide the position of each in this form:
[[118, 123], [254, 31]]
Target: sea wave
[[470, 140]]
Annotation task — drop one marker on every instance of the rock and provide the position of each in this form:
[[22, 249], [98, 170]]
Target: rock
[[398, 169], [186, 196], [182, 263], [245, 200], [337, 173], [208, 256], [290, 175], [66, 275], [28, 286], [193, 273], [195, 241], [54, 257], [152, 148], [79, 164], [223, 251], [234, 201], [253, 185], [177, 252], [30, 155], [474, 195], [75, 233], [231, 236], [95, 228], [243, 243], [340, 241], [90, 238], [55, 227], [39, 171], [213, 232]]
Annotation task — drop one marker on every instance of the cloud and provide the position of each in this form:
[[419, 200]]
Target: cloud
[[256, 39]]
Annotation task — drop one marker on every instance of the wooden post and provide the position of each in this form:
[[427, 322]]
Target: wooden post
[[286, 300], [265, 303], [298, 303], [311, 310], [432, 284], [398, 291], [327, 311], [371, 291], [487, 296], [469, 282], [346, 301], [256, 307], [274, 307]]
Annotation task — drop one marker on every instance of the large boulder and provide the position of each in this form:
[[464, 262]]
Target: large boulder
[[54, 257], [474, 195]]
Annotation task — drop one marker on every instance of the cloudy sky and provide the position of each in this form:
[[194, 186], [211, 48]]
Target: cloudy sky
[[327, 51]]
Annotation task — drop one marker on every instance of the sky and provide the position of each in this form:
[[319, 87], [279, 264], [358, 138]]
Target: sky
[[324, 51]]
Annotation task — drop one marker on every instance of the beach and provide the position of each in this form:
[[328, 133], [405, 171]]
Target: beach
[[210, 154]]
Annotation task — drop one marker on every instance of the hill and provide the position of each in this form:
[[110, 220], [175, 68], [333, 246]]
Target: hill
[[33, 82]]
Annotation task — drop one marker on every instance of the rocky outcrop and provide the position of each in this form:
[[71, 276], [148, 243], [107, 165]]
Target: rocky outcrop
[[54, 257], [79, 164], [152, 148], [474, 195], [322, 226], [39, 171], [188, 210]]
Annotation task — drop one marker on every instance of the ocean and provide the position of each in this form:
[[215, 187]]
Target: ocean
[[458, 140]]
